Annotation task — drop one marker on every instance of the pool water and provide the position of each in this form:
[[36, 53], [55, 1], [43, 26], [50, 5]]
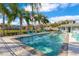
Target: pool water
[[76, 36], [49, 44]]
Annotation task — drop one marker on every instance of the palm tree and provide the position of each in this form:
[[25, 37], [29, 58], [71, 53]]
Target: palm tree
[[44, 20], [4, 11], [34, 7], [38, 17], [41, 20], [17, 12], [27, 18]]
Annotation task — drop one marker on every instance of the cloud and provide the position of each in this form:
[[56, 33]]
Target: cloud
[[0, 20], [73, 4], [52, 6], [63, 5], [48, 7], [28, 8], [45, 7], [61, 18]]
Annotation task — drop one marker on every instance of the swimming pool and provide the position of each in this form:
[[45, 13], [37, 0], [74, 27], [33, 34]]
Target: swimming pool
[[49, 44]]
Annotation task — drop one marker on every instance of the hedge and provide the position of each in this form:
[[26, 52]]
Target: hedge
[[12, 32]]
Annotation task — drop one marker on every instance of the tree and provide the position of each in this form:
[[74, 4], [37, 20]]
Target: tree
[[27, 18], [34, 7], [16, 12], [4, 11], [41, 20], [20, 13]]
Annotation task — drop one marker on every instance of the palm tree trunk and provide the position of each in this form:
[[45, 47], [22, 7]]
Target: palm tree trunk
[[40, 26], [28, 27], [33, 15], [3, 25], [38, 19], [21, 25]]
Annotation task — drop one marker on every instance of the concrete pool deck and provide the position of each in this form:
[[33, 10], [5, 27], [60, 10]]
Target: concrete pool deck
[[73, 46]]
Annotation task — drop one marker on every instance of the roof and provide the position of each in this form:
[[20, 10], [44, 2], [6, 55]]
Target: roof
[[70, 25]]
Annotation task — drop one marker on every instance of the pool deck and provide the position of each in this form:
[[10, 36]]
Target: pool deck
[[73, 46], [12, 47]]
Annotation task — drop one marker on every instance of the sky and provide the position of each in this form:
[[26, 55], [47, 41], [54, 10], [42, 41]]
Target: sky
[[55, 11]]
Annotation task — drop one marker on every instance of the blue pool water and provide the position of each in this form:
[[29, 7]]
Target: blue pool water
[[49, 44], [76, 36]]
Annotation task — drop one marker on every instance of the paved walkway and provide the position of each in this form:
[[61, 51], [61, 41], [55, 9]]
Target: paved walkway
[[73, 47], [4, 50], [12, 47]]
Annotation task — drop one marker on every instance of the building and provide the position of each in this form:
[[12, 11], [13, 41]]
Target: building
[[72, 26]]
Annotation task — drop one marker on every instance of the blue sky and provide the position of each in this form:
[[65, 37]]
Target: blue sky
[[55, 11], [74, 10], [63, 11]]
